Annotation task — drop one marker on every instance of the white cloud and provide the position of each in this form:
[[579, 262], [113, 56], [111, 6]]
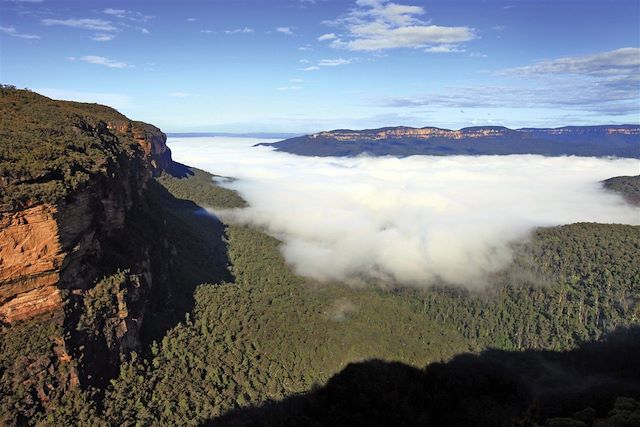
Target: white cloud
[[623, 61], [285, 30], [306, 48], [379, 24], [408, 221], [245, 30], [101, 60], [85, 24], [604, 83], [443, 48], [325, 37], [11, 31], [333, 62], [120, 13], [191, 19], [325, 63], [284, 88], [130, 15], [103, 37]]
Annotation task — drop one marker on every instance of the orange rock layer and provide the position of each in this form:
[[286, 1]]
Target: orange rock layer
[[30, 259], [46, 248], [477, 132]]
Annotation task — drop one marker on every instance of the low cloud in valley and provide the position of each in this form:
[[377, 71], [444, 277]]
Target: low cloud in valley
[[410, 221]]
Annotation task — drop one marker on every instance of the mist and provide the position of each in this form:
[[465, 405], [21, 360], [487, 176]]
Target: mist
[[406, 221]]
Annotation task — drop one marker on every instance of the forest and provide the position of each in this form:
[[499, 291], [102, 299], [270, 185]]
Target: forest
[[51, 148], [260, 334]]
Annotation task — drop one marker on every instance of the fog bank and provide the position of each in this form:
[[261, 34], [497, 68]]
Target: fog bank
[[406, 221]]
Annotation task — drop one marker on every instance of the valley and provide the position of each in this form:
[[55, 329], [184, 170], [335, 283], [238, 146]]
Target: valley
[[185, 320], [319, 213]]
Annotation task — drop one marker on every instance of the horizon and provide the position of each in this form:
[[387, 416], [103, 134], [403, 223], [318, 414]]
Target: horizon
[[305, 66], [268, 135]]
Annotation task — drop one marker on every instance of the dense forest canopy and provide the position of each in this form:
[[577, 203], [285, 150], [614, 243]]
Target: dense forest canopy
[[627, 186], [50, 148]]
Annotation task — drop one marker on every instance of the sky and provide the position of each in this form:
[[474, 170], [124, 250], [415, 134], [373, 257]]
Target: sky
[[308, 65]]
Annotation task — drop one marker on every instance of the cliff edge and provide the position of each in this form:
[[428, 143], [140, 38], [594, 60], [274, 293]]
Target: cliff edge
[[79, 251]]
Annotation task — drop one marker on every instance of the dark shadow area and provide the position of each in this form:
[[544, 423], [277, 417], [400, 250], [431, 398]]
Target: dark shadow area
[[193, 251], [148, 272], [178, 170], [595, 384]]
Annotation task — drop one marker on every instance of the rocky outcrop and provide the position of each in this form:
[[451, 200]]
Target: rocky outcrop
[[472, 132], [48, 248], [81, 247], [415, 133], [30, 260], [154, 143]]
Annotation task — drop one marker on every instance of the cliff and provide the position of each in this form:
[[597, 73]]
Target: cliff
[[609, 140], [51, 241], [74, 177]]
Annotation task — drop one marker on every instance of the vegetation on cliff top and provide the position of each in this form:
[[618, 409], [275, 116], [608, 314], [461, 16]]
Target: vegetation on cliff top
[[49, 148]]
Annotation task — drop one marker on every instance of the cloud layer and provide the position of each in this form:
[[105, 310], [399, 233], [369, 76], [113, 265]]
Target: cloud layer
[[604, 82], [407, 221], [375, 25]]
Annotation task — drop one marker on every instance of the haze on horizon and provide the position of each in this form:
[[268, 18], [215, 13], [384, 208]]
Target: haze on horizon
[[310, 65]]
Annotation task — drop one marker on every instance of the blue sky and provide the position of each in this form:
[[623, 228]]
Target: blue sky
[[308, 65]]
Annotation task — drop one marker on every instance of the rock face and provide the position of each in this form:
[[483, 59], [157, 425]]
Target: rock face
[[64, 225], [415, 133], [475, 132], [30, 260], [52, 247]]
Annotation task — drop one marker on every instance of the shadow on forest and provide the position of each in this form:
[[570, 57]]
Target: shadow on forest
[[173, 245], [494, 388], [178, 170], [194, 252]]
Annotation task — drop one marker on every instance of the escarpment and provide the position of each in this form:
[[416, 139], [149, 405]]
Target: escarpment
[[606, 140], [74, 179]]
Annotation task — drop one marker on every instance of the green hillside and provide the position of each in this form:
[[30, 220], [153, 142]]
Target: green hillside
[[627, 186]]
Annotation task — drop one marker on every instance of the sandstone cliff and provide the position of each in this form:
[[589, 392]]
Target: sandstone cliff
[[48, 247], [73, 176]]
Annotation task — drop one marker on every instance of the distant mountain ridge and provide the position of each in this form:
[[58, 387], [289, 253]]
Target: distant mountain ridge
[[603, 140]]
